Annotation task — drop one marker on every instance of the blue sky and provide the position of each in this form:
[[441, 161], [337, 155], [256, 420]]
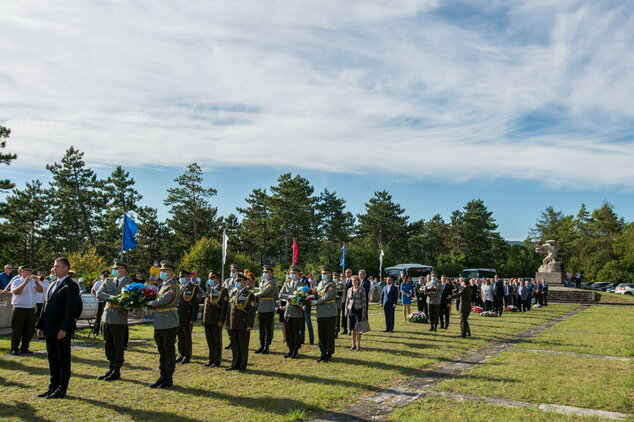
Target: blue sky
[[524, 104]]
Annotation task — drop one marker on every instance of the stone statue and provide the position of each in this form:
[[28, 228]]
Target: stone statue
[[549, 264]]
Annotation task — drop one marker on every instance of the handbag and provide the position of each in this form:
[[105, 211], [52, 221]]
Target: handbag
[[363, 326]]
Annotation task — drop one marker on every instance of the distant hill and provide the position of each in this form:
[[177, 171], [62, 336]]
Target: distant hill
[[515, 242]]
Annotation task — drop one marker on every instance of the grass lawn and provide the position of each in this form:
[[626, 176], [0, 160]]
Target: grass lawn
[[604, 297], [440, 409], [272, 389]]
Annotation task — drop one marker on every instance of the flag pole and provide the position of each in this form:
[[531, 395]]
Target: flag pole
[[224, 257], [122, 237]]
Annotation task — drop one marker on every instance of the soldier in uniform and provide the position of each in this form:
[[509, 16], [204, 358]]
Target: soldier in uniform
[[326, 314], [340, 288], [240, 319], [266, 308], [114, 320], [214, 315], [166, 324], [230, 285], [188, 304], [293, 314]]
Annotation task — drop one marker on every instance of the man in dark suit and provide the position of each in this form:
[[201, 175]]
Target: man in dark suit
[[446, 290], [389, 297], [348, 284], [57, 326], [365, 284], [498, 296], [465, 307]]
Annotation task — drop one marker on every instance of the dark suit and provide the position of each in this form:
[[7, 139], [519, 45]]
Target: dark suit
[[60, 309], [365, 283], [388, 300], [344, 318], [445, 305], [498, 297], [465, 295]]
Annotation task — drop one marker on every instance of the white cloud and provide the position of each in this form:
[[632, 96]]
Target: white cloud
[[528, 91]]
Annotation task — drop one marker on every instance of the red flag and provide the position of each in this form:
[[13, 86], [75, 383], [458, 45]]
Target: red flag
[[295, 252]]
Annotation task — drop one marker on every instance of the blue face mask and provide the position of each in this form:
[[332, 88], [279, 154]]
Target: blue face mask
[[265, 276], [324, 277], [163, 276], [115, 273], [292, 276], [232, 275], [210, 282], [182, 280], [238, 285]]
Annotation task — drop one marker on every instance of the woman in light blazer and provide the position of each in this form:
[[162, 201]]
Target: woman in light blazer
[[356, 310]]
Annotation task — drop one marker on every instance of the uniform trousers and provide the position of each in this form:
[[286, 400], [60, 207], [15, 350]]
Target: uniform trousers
[[464, 324], [326, 329], [213, 334], [113, 336], [293, 339], [240, 348], [434, 311], [185, 338], [165, 341], [266, 321]]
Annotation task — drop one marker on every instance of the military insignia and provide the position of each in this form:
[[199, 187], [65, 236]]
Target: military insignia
[[253, 304], [330, 289]]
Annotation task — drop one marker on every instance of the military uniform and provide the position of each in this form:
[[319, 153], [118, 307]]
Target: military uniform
[[215, 310], [114, 322], [293, 316], [326, 317], [266, 297], [340, 289], [166, 327], [188, 304], [241, 315], [230, 285]]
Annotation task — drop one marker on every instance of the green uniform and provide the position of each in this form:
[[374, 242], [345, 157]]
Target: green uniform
[[465, 309], [340, 288], [215, 311], [241, 314], [266, 296], [292, 315], [114, 321], [188, 304], [165, 328], [327, 316]]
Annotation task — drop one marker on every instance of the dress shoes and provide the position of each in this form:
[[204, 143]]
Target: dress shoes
[[228, 347], [158, 383], [294, 354], [114, 375], [322, 358], [166, 384], [26, 352], [265, 351], [106, 375], [15, 352], [46, 393], [231, 368], [185, 360], [260, 349], [289, 354], [57, 394], [179, 359]]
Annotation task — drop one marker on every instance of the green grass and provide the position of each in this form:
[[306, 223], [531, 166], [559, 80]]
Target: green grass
[[273, 388], [604, 297], [439, 409]]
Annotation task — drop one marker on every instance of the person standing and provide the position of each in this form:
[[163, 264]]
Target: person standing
[[356, 310], [487, 295], [544, 292], [41, 296], [188, 304], [239, 322], [215, 310], [115, 320], [326, 314], [465, 308], [96, 285], [347, 284], [24, 289], [388, 300], [6, 276], [293, 314], [340, 289], [230, 285], [166, 324], [57, 326], [307, 322], [446, 291], [154, 270], [433, 301], [406, 296], [266, 308]]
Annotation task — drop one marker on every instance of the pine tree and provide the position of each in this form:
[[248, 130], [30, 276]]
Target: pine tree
[[482, 245], [154, 240], [256, 226], [384, 224], [554, 225], [5, 158], [336, 226]]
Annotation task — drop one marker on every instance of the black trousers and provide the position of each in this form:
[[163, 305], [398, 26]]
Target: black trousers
[[421, 304], [464, 324], [113, 336], [58, 360], [344, 321], [326, 330], [508, 301], [265, 321], [165, 341], [545, 297], [293, 339], [338, 320], [434, 311], [240, 348], [213, 333], [22, 327], [389, 317], [498, 305], [100, 306], [445, 311], [185, 338], [38, 311]]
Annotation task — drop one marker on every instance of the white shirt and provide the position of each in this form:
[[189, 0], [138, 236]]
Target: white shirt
[[27, 297], [54, 286], [40, 296]]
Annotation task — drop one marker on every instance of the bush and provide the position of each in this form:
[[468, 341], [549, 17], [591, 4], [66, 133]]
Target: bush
[[206, 255], [87, 265]]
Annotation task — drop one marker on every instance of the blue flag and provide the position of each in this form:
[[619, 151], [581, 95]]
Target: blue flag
[[129, 230], [342, 263]]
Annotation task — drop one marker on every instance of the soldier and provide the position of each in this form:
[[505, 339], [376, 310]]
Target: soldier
[[266, 308], [214, 315], [230, 285], [293, 314], [240, 319], [115, 320], [340, 287], [326, 314], [188, 304], [166, 324]]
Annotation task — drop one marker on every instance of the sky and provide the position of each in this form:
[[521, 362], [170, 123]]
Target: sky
[[523, 104]]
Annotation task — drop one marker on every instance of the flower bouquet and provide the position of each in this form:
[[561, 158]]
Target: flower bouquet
[[511, 308], [488, 314], [431, 291], [476, 309], [421, 289], [303, 297], [134, 296], [418, 317]]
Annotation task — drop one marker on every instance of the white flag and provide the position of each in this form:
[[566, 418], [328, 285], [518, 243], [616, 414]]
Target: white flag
[[381, 255], [225, 239]]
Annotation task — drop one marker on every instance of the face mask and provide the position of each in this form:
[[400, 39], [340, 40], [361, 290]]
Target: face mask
[[292, 276], [115, 273], [233, 275], [163, 276], [156, 264], [265, 276], [210, 282], [182, 280], [238, 285], [324, 277]]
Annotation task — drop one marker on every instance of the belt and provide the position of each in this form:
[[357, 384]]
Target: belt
[[110, 305], [328, 301], [165, 309], [265, 298]]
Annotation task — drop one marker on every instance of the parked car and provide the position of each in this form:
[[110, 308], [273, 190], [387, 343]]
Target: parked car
[[413, 270], [625, 289], [598, 285], [584, 285], [609, 288], [470, 273]]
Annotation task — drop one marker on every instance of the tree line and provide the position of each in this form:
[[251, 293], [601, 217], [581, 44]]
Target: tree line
[[79, 214]]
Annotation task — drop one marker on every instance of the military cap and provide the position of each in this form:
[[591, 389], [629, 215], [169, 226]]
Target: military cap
[[336, 274], [213, 274], [326, 268], [267, 268], [295, 268], [26, 268], [105, 273], [241, 277], [183, 273], [118, 263], [234, 267], [167, 265], [71, 273]]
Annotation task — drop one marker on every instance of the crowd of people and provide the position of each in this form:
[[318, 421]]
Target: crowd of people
[[341, 303]]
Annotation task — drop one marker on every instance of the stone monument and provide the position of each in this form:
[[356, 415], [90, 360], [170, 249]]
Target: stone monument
[[550, 270]]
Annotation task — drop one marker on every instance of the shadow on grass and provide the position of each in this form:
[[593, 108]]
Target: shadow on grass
[[22, 411]]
